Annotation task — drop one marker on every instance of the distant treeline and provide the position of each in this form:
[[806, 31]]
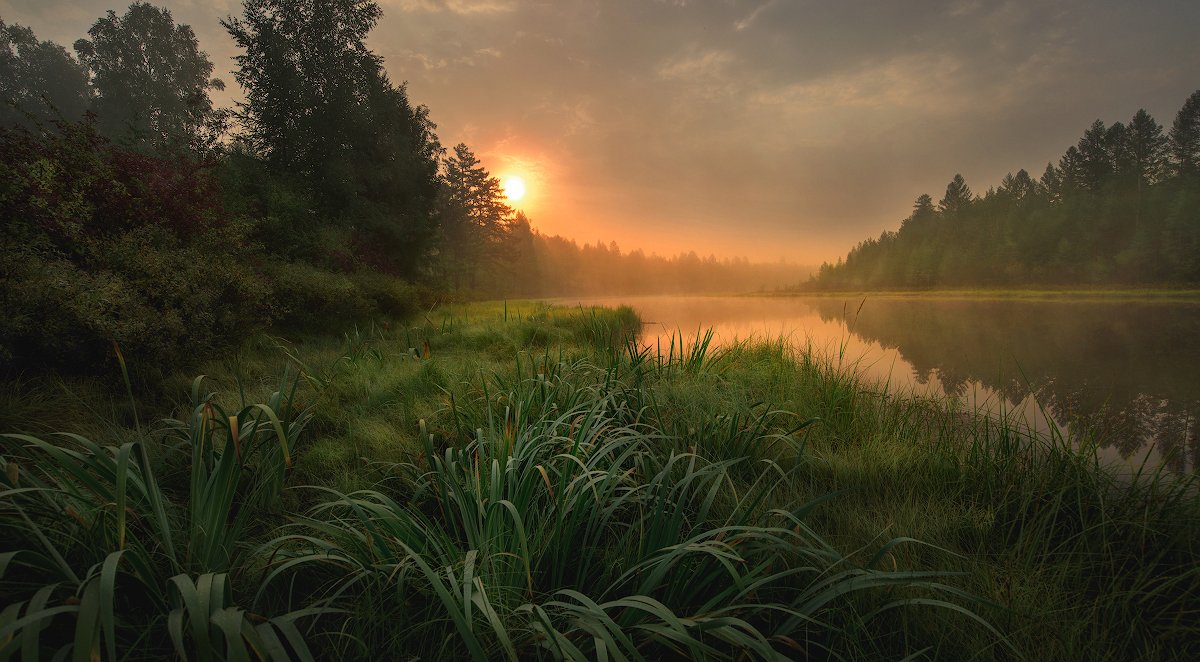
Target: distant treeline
[[137, 214], [1121, 208], [542, 265]]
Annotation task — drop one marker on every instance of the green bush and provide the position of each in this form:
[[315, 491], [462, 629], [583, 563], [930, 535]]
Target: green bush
[[102, 245], [390, 296], [310, 298], [306, 297]]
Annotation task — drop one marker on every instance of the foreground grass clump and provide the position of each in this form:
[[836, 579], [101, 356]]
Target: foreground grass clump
[[514, 481]]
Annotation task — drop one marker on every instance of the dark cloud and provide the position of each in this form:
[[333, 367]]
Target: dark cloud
[[762, 127]]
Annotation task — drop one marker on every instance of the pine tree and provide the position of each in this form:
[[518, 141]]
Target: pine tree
[[1147, 148], [1095, 157], [1185, 138], [474, 218], [958, 196]]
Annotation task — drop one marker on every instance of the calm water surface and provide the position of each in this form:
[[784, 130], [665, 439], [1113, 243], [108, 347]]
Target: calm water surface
[[1128, 368]]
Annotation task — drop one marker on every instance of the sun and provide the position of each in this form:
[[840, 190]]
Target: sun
[[514, 189]]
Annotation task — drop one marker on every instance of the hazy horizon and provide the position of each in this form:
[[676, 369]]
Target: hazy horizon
[[763, 129]]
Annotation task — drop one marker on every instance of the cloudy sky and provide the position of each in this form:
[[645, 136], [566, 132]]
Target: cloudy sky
[[767, 128]]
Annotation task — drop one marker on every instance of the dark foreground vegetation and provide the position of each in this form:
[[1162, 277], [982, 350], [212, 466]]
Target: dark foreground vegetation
[[502, 482], [132, 213], [1121, 208]]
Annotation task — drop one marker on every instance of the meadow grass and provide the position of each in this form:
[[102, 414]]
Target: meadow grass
[[511, 480]]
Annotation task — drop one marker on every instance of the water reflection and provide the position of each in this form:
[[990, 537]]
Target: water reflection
[[1122, 367], [1127, 369]]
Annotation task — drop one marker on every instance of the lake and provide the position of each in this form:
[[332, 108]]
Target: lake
[[1130, 369]]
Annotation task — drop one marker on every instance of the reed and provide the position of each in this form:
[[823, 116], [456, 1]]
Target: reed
[[499, 482]]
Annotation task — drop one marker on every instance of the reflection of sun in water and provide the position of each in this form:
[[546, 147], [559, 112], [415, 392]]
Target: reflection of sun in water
[[514, 189]]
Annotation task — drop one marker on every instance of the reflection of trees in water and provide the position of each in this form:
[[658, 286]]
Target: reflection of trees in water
[[1126, 370]]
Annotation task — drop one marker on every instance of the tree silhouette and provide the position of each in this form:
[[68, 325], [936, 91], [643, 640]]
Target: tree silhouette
[[152, 81], [39, 80], [1111, 211], [331, 126], [307, 74], [958, 196], [1185, 137]]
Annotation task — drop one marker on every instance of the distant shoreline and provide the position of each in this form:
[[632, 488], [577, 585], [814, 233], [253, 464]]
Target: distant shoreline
[[1061, 293]]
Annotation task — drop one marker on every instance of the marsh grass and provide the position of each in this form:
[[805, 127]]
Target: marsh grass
[[516, 481]]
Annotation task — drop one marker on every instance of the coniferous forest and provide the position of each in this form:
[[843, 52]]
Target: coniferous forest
[[1121, 208]]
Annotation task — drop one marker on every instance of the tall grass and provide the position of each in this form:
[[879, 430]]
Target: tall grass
[[526, 482], [101, 541], [575, 532]]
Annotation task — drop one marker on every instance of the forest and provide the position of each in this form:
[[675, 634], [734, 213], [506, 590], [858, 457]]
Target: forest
[[1121, 208], [164, 225]]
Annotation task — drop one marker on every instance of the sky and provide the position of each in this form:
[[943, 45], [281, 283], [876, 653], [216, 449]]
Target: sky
[[773, 129]]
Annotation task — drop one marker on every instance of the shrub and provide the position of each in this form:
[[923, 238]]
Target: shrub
[[390, 296], [100, 244], [306, 297]]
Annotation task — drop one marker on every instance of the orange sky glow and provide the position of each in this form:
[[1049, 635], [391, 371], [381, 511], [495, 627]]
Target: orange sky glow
[[760, 128]]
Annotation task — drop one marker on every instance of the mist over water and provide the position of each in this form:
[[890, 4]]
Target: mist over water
[[1123, 369]]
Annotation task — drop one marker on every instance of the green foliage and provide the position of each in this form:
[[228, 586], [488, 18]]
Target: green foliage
[[39, 81], [305, 70], [98, 545], [566, 498], [309, 298], [152, 82], [326, 121], [506, 548], [389, 296], [102, 245]]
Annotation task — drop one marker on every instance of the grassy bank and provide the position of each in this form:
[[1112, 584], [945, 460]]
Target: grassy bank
[[1181, 294], [513, 481]]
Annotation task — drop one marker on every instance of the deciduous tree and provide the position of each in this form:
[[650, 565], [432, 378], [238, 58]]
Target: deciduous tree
[[152, 81], [39, 80]]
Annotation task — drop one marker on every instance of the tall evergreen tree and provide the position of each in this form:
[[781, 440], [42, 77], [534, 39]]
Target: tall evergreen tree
[[1019, 189], [1051, 183], [958, 196], [923, 207], [923, 212], [474, 217], [1070, 172], [1185, 137], [1147, 147], [1095, 157], [152, 81]]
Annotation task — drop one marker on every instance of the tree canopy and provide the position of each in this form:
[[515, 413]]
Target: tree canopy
[[151, 81], [1121, 206], [39, 80]]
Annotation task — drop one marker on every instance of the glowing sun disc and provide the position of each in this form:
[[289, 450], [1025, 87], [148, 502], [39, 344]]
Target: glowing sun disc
[[514, 188]]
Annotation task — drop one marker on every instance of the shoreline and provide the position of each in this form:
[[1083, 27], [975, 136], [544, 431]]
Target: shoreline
[[1049, 294]]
